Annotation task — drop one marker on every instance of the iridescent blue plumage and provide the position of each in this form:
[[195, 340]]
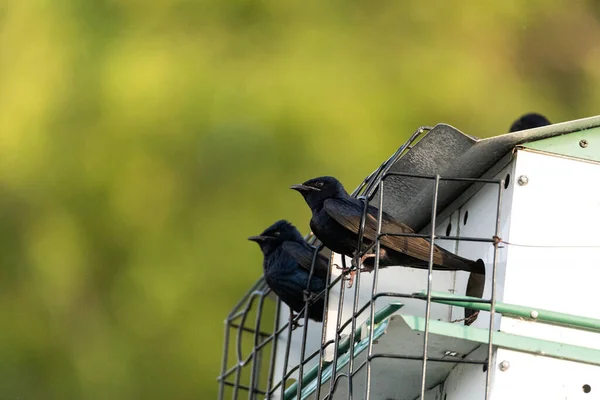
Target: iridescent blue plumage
[[286, 265]]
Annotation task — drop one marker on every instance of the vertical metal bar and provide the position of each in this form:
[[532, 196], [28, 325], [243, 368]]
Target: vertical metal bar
[[255, 354], [305, 328], [240, 357], [236, 384], [225, 357], [359, 246], [374, 291], [286, 358], [488, 377], [324, 326], [352, 335], [337, 339], [274, 338], [429, 284]]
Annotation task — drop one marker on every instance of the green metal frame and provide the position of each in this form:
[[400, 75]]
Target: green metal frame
[[508, 341], [309, 380], [500, 339], [529, 313], [571, 144]]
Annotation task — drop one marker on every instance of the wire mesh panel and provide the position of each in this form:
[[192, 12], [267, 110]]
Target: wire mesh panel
[[366, 349]]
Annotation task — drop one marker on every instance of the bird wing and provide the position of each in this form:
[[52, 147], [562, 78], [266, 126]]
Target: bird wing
[[304, 254], [348, 214]]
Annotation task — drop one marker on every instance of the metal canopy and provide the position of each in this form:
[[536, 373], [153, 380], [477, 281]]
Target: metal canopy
[[448, 152]]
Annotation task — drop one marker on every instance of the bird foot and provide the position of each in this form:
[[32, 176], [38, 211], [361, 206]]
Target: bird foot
[[345, 270], [358, 261], [351, 273], [293, 321], [309, 296]]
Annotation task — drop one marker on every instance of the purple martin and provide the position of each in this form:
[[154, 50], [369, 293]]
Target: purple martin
[[336, 218], [529, 121], [287, 262]]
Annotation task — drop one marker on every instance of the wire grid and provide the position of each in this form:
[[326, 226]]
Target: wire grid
[[365, 192]]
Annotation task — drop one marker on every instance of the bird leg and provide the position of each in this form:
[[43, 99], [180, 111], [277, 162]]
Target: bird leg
[[364, 268], [366, 257], [309, 296], [337, 266], [357, 265], [347, 271], [294, 324], [358, 261], [351, 274]]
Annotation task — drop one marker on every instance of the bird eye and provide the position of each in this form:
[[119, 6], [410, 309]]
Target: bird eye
[[319, 184]]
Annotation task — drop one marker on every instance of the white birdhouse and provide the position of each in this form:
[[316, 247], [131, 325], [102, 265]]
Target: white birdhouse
[[528, 205]]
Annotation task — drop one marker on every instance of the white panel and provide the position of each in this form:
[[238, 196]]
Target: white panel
[[481, 223], [467, 381], [552, 333], [557, 209], [537, 377]]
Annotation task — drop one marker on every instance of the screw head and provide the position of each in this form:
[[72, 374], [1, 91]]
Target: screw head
[[583, 143], [504, 365], [523, 180], [534, 314]]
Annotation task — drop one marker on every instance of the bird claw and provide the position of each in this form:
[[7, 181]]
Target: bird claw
[[347, 271], [309, 296], [351, 273], [356, 267], [358, 261], [293, 322]]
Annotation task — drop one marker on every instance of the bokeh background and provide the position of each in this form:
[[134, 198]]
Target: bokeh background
[[141, 142]]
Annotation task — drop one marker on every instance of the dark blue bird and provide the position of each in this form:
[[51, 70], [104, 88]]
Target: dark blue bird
[[287, 262], [336, 219], [529, 121]]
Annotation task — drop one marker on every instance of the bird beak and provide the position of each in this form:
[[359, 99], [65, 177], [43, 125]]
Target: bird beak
[[304, 188], [258, 239]]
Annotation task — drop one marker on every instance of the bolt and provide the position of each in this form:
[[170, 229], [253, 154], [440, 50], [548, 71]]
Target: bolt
[[583, 143], [523, 180], [504, 365], [534, 314]]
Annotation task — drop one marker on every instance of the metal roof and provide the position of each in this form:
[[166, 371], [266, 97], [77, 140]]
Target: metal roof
[[447, 152]]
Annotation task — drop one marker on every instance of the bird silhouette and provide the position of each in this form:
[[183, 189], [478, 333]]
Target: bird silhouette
[[336, 218], [529, 121], [287, 264]]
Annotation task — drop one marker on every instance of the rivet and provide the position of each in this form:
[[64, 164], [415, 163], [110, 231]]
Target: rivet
[[583, 143], [504, 365], [534, 314], [523, 180]]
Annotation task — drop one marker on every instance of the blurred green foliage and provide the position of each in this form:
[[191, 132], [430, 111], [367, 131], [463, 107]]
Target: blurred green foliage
[[141, 142]]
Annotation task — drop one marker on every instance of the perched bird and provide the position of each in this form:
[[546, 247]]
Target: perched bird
[[336, 218], [287, 263], [529, 121]]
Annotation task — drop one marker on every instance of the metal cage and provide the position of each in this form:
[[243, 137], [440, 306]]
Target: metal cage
[[425, 184]]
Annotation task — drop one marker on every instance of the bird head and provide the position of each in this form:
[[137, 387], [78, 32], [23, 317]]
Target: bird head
[[529, 121], [315, 191], [272, 237]]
